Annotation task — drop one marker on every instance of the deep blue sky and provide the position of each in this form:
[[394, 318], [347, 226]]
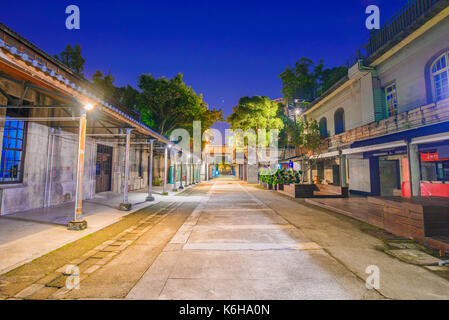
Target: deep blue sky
[[225, 49]]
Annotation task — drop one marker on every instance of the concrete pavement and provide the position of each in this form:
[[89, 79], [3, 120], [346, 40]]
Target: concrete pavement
[[225, 240], [235, 247]]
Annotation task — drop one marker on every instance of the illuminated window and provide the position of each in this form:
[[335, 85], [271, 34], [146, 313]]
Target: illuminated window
[[13, 146], [439, 71], [392, 100]]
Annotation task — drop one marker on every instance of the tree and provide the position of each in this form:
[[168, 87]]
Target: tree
[[255, 113], [307, 80], [168, 104], [128, 97], [72, 58], [105, 84]]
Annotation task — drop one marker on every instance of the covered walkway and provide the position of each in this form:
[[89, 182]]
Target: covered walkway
[[27, 235]]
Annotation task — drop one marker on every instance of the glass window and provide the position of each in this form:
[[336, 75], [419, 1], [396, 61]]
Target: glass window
[[339, 121], [391, 99], [12, 156], [440, 70], [323, 128]]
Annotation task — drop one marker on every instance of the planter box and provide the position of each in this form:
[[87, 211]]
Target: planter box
[[332, 191], [266, 186], [300, 190]]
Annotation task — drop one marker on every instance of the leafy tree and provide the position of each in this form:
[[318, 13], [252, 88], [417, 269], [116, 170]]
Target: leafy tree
[[310, 135], [331, 76], [128, 97], [307, 80], [167, 104], [72, 58], [255, 113], [105, 84]]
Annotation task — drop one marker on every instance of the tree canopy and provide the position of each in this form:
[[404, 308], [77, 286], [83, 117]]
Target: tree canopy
[[255, 113], [169, 104], [72, 58], [307, 80]]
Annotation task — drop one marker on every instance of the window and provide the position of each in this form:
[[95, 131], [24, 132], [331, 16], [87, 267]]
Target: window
[[339, 121], [391, 100], [439, 71], [13, 146], [323, 128]]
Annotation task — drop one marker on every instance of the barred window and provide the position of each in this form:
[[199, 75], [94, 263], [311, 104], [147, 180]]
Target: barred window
[[13, 146]]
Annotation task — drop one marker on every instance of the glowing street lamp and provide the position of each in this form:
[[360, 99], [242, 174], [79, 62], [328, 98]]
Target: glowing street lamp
[[88, 107]]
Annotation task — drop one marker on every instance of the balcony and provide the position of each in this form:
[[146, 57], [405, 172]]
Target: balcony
[[425, 115]]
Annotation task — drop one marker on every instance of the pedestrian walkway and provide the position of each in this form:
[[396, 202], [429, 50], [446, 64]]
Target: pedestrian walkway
[[27, 235], [234, 247]]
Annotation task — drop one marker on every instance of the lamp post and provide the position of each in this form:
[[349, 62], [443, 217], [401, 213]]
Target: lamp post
[[150, 172], [78, 223]]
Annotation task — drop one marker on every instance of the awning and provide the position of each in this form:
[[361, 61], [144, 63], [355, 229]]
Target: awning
[[383, 146], [325, 155], [429, 130], [430, 139]]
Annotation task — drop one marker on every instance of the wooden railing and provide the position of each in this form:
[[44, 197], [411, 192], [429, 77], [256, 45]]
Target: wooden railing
[[429, 114]]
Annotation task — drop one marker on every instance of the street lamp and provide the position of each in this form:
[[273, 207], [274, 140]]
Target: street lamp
[[88, 107], [297, 113]]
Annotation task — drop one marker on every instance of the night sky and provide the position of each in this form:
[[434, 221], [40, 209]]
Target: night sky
[[225, 49]]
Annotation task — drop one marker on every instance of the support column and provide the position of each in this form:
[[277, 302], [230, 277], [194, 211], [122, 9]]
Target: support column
[[125, 205], [414, 169], [343, 181], [78, 223], [182, 158], [164, 186], [310, 172], [150, 173], [175, 173]]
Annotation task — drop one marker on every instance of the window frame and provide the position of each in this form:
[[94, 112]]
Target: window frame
[[393, 84], [23, 151], [323, 120], [339, 110], [441, 71]]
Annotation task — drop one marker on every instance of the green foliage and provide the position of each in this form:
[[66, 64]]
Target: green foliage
[[255, 113], [290, 135], [281, 176], [157, 182], [128, 97], [310, 135], [307, 80], [105, 84], [170, 104], [72, 58]]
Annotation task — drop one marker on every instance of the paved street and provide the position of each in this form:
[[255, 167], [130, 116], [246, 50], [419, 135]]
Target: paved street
[[233, 246], [225, 240]]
